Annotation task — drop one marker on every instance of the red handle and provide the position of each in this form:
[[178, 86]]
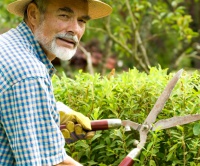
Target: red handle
[[99, 125], [105, 124], [129, 159]]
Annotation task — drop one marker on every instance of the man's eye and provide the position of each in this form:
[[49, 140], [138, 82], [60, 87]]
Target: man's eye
[[82, 21], [64, 15]]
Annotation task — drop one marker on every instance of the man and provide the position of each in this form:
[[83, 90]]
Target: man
[[29, 119]]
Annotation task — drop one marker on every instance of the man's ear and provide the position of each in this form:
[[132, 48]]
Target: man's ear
[[33, 14]]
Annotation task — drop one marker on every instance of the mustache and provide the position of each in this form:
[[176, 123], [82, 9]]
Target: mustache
[[68, 36]]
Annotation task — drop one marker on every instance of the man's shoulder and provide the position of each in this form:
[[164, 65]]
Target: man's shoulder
[[12, 45], [10, 36], [18, 60]]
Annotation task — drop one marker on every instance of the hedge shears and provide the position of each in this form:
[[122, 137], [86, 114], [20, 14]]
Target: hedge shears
[[149, 123]]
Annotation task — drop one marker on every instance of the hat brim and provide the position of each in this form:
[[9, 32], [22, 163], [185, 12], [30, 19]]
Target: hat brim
[[96, 8], [18, 7]]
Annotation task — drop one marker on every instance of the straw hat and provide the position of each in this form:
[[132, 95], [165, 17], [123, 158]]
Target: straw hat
[[96, 8]]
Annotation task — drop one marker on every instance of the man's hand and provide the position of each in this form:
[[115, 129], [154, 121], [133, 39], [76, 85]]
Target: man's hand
[[77, 125]]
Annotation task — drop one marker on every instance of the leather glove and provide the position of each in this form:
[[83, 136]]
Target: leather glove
[[77, 125]]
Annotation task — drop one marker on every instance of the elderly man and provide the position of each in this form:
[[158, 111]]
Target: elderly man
[[29, 117]]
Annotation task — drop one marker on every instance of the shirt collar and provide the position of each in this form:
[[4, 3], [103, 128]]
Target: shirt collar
[[28, 35]]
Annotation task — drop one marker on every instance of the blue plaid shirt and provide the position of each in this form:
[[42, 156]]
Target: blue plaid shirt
[[29, 121]]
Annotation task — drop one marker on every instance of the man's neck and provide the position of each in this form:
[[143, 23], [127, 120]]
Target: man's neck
[[49, 55]]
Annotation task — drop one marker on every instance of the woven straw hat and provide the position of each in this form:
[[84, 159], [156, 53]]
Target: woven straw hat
[[96, 8]]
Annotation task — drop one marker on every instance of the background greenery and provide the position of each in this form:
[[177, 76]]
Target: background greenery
[[131, 95], [146, 33]]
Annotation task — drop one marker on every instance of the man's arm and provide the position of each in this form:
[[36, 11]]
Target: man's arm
[[30, 120]]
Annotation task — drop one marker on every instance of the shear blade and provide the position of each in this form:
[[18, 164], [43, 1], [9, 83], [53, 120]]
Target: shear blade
[[131, 124], [174, 121], [151, 118]]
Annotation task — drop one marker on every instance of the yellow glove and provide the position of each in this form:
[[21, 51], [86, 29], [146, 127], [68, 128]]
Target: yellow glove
[[76, 124]]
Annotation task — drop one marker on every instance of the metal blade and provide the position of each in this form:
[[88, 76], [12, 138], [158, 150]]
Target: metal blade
[[177, 120], [162, 99], [133, 125], [143, 138]]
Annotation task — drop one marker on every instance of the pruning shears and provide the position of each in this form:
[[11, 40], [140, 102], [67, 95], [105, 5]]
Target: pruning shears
[[149, 123]]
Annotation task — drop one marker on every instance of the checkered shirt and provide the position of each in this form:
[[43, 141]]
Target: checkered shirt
[[29, 121]]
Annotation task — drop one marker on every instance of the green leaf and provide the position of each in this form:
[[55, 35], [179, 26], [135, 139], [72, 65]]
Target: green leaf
[[152, 163], [196, 129], [92, 163], [95, 137], [149, 146], [96, 113], [98, 147]]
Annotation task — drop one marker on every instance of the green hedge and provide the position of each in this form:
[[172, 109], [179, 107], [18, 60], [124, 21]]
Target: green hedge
[[131, 95]]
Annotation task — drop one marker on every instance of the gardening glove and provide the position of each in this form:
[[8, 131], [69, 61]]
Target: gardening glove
[[77, 125]]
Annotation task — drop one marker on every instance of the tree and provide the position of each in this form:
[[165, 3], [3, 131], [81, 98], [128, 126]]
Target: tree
[[150, 32]]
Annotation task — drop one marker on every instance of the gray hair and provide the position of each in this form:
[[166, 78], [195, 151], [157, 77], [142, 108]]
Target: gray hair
[[41, 4]]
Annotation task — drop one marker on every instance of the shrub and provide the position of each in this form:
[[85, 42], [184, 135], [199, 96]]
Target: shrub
[[131, 95]]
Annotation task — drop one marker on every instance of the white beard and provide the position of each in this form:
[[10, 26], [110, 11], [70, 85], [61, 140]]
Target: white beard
[[62, 53]]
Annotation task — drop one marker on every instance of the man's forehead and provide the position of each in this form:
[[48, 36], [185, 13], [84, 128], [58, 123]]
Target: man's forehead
[[69, 10]]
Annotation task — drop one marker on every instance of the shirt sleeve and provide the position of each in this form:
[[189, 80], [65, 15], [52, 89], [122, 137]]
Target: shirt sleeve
[[31, 123]]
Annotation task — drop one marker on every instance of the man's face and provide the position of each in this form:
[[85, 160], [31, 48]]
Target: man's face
[[61, 27]]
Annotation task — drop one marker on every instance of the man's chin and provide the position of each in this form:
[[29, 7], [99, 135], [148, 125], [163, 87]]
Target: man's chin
[[65, 55], [64, 58], [61, 52]]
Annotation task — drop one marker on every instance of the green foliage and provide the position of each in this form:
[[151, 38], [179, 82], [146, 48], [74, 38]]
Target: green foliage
[[131, 95], [164, 30], [7, 20]]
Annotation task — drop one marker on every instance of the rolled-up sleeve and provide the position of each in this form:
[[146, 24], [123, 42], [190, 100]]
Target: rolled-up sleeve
[[29, 128]]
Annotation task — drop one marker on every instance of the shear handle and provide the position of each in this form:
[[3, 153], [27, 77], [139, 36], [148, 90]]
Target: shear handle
[[129, 159], [105, 124]]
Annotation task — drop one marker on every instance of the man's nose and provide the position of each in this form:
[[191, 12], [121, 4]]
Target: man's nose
[[74, 28]]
